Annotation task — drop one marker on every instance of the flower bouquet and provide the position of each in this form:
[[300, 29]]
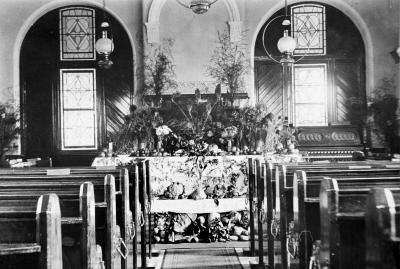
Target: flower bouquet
[[161, 132], [229, 133]]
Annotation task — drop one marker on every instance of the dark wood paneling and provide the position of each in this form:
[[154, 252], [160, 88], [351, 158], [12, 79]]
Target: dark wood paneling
[[117, 101], [348, 83], [268, 81], [38, 69]]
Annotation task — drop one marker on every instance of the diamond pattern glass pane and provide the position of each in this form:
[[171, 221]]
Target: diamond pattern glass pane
[[78, 90], [309, 29], [77, 34], [310, 91], [78, 109]]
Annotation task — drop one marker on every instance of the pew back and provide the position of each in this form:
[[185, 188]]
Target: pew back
[[23, 232], [382, 229], [342, 210]]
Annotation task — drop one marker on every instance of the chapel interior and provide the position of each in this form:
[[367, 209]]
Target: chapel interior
[[200, 134]]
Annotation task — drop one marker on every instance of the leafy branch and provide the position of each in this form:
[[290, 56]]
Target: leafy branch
[[228, 64], [159, 68]]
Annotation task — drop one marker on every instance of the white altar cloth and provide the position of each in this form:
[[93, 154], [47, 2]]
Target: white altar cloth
[[199, 206]]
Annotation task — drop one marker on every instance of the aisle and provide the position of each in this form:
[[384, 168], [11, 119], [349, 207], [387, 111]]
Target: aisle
[[201, 258]]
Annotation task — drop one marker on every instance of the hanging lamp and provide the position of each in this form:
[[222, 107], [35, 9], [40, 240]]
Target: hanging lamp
[[105, 45]]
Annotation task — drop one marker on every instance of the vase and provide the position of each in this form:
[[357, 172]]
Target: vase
[[229, 146], [142, 145], [159, 145]]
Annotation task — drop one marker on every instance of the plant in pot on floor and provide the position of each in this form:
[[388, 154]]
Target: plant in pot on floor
[[382, 117], [9, 129]]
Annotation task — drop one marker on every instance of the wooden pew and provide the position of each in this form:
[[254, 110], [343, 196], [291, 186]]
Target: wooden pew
[[261, 209], [285, 200], [37, 233], [382, 229], [257, 197], [122, 187], [306, 186], [252, 205], [124, 215], [136, 216], [145, 210], [124, 179], [77, 215], [104, 196], [342, 212]]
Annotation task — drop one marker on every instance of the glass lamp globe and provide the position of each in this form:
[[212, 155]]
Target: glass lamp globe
[[286, 44], [104, 45]]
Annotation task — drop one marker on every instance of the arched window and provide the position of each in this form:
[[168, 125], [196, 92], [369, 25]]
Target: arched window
[[77, 91]]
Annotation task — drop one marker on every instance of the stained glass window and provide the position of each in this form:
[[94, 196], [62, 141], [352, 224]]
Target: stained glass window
[[310, 95], [309, 29], [77, 34], [78, 109]]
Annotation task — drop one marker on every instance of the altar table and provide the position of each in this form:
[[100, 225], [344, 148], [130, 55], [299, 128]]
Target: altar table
[[192, 172]]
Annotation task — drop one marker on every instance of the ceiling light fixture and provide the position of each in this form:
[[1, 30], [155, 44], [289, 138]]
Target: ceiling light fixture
[[197, 6]]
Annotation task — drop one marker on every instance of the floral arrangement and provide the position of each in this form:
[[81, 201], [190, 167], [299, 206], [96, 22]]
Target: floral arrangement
[[163, 130], [205, 127], [287, 139], [229, 132]]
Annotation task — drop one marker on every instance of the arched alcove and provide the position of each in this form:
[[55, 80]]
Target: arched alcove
[[344, 61], [195, 37], [40, 67]]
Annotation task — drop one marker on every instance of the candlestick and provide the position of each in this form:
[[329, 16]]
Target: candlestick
[[110, 147]]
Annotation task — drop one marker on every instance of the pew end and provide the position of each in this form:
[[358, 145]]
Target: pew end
[[43, 238], [382, 228]]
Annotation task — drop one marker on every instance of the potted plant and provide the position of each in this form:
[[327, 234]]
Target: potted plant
[[138, 130], [159, 70], [228, 64], [9, 129], [382, 117]]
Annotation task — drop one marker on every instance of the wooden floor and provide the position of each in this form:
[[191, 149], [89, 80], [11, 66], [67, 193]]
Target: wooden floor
[[200, 255]]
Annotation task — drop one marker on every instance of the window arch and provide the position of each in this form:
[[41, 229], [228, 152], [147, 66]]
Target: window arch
[[343, 64], [69, 105]]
